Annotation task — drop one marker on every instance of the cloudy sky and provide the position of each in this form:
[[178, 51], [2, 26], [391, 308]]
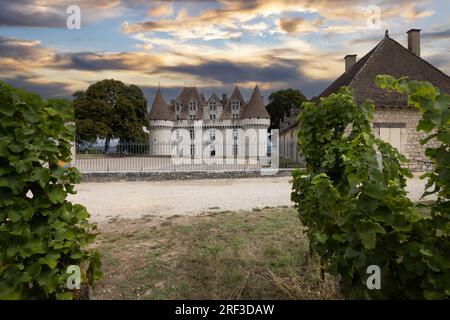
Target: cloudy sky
[[213, 44]]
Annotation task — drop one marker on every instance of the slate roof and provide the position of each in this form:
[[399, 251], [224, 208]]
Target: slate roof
[[388, 57], [227, 112], [160, 110], [190, 94], [214, 97], [255, 107]]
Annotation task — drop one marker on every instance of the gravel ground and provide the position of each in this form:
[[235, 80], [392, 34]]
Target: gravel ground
[[107, 200]]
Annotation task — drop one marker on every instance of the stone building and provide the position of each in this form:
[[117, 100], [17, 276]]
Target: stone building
[[191, 126], [394, 122]]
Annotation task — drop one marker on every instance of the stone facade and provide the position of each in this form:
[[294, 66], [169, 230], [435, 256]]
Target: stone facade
[[397, 124], [405, 119]]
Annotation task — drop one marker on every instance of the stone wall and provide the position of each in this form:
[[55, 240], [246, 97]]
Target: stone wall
[[412, 149], [160, 176]]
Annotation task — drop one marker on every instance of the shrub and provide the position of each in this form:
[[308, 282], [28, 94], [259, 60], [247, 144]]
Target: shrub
[[41, 233], [435, 122], [354, 205]]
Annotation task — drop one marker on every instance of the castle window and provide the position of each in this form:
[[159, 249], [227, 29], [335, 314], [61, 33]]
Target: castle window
[[177, 106], [235, 149], [212, 134], [235, 116], [212, 105], [192, 117], [177, 117], [192, 105], [212, 151], [235, 134], [235, 105], [192, 133], [212, 117]]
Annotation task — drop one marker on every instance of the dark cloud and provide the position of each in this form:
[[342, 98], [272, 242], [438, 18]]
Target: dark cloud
[[90, 61], [230, 72], [45, 90], [23, 14], [437, 35], [52, 13], [20, 49], [283, 71], [297, 24]]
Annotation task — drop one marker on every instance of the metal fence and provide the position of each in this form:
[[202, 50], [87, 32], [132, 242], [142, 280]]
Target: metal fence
[[168, 157]]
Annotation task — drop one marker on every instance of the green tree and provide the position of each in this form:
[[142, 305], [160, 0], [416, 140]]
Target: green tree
[[280, 102], [353, 200], [110, 109], [41, 233]]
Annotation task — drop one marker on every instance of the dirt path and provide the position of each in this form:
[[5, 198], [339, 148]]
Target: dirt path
[[110, 200]]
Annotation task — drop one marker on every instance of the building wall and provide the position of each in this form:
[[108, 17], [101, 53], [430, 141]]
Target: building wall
[[409, 137], [160, 136], [288, 145], [249, 140], [396, 126]]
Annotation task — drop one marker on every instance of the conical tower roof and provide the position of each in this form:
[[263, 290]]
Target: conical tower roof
[[160, 110], [255, 107]]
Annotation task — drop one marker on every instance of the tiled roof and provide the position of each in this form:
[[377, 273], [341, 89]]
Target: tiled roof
[[388, 57]]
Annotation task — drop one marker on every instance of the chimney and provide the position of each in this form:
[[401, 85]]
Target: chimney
[[414, 41], [224, 97], [350, 60]]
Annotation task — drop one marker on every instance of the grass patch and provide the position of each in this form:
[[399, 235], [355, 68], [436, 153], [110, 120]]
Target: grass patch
[[261, 254]]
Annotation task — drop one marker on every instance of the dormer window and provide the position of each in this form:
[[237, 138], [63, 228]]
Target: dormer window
[[212, 117], [177, 106], [235, 105], [212, 105], [192, 106]]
